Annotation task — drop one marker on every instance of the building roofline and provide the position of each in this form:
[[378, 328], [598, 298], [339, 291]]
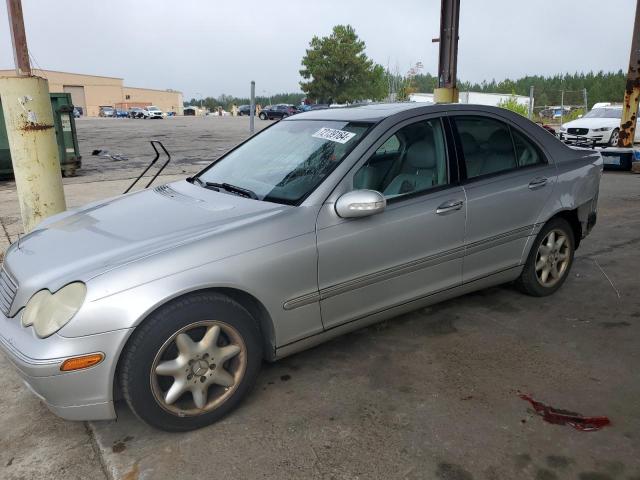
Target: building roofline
[[43, 71], [153, 89], [65, 73]]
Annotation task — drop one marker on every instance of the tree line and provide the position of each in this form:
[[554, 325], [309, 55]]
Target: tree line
[[227, 101], [336, 69], [601, 87]]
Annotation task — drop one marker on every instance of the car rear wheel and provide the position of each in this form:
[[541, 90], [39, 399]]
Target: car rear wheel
[[285, 115], [263, 116], [191, 363], [549, 260], [615, 136]]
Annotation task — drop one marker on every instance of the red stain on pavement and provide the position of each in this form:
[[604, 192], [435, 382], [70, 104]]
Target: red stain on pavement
[[557, 416]]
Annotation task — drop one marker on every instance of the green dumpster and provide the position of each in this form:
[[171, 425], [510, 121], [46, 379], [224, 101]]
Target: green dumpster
[[65, 128]]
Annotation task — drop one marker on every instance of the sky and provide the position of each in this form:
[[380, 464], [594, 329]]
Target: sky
[[209, 47]]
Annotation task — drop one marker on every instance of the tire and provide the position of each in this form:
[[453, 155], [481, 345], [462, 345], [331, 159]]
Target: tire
[[285, 115], [153, 348], [615, 135], [263, 116], [69, 172], [532, 281]]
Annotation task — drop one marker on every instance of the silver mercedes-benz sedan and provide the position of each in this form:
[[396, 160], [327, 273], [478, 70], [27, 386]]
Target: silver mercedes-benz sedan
[[320, 224]]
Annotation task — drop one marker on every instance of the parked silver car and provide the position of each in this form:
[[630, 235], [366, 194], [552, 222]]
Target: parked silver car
[[318, 225]]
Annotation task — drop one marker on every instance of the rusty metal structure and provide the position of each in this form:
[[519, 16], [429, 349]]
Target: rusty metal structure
[[18, 38], [632, 90], [447, 91], [28, 116]]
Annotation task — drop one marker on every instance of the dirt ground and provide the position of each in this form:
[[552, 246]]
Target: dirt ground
[[428, 395]]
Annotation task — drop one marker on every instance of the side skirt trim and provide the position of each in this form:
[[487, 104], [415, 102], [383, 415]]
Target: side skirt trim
[[497, 278]]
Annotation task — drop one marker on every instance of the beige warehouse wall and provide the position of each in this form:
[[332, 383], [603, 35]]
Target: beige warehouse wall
[[165, 100], [108, 91]]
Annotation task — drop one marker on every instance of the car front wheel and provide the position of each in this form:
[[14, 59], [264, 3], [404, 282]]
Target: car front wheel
[[615, 136], [263, 116], [191, 362], [549, 260]]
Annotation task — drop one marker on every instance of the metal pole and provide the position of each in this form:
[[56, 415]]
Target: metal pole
[[530, 102], [632, 91], [18, 38], [30, 132], [447, 91], [252, 107], [561, 107], [586, 104]]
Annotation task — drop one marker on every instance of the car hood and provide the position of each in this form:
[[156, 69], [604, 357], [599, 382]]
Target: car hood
[[593, 123], [81, 244]]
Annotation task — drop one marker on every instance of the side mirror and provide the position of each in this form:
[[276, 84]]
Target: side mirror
[[360, 203]]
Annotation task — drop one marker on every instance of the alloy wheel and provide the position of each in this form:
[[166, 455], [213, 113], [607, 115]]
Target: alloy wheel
[[615, 135], [552, 258], [198, 368]]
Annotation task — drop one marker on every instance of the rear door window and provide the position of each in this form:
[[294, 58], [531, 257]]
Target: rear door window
[[490, 146], [486, 144]]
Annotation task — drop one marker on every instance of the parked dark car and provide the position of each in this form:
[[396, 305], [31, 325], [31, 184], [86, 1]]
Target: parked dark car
[[121, 113], [244, 110], [136, 112], [277, 112]]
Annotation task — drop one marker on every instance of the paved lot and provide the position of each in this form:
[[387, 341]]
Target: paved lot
[[432, 394]]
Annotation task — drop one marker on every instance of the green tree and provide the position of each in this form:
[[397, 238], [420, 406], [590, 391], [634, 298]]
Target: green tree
[[336, 69], [512, 104]]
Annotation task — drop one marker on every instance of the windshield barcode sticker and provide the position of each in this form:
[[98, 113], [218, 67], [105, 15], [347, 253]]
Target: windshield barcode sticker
[[334, 135]]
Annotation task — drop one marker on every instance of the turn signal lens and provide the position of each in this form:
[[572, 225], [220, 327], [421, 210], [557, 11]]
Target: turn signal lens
[[78, 363]]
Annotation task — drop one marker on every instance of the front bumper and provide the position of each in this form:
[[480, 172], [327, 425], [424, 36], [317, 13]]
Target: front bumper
[[591, 136], [79, 395]]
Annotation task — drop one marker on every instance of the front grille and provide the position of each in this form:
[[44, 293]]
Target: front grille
[[578, 131], [8, 289]]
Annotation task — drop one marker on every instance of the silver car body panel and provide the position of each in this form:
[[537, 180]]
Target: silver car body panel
[[308, 273]]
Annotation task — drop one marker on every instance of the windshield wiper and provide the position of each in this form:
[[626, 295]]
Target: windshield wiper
[[245, 192]]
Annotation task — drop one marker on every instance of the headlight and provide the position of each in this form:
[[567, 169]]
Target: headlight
[[563, 129], [603, 129], [49, 312]]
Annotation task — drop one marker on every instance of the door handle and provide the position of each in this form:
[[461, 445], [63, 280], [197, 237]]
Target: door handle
[[537, 183], [449, 206]]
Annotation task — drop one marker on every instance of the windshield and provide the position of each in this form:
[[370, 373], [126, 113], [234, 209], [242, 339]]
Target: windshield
[[604, 113], [153, 108], [286, 162]]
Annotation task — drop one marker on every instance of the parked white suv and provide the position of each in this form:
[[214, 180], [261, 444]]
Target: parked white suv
[[152, 112]]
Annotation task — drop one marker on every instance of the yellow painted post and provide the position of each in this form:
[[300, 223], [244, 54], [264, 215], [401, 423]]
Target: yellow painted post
[[445, 95], [34, 151]]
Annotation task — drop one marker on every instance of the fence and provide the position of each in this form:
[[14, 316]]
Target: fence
[[557, 106]]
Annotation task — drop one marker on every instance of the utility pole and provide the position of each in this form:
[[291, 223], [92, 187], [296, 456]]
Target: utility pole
[[252, 107], [30, 132], [531, 90], [632, 91], [447, 91]]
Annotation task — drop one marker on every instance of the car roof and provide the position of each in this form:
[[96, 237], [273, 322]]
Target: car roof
[[375, 112]]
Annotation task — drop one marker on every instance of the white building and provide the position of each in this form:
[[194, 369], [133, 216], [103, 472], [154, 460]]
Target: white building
[[476, 98]]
